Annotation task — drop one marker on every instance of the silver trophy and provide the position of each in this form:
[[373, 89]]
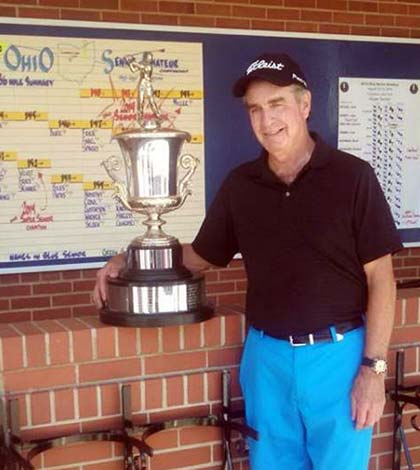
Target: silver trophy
[[155, 288]]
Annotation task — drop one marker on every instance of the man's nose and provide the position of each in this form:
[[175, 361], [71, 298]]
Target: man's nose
[[267, 119]]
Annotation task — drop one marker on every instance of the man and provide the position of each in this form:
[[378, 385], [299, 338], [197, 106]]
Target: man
[[316, 236]]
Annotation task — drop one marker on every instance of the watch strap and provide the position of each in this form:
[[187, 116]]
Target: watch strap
[[367, 361], [378, 365]]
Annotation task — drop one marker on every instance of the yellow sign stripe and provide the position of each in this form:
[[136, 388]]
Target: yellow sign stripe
[[67, 178], [69, 124], [197, 139], [107, 93], [180, 94], [34, 163], [92, 185], [23, 116], [128, 93], [8, 156]]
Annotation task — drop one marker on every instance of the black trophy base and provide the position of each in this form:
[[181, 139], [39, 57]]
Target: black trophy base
[[157, 301], [205, 312]]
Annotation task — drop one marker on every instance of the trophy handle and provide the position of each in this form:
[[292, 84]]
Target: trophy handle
[[190, 163], [112, 165]]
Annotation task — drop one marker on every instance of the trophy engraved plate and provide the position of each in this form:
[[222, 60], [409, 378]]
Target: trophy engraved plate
[[154, 288]]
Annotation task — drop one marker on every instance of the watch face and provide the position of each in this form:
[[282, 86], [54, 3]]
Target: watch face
[[380, 366]]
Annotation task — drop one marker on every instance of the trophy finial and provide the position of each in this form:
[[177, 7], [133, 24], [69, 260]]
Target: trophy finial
[[145, 91]]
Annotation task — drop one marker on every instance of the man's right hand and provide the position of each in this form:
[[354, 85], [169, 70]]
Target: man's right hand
[[111, 269]]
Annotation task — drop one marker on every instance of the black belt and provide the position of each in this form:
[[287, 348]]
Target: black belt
[[322, 335]]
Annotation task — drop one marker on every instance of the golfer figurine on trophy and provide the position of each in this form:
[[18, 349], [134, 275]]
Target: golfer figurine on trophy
[[155, 288], [145, 90]]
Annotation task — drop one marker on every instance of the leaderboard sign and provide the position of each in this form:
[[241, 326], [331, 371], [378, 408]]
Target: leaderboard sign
[[62, 101], [378, 121]]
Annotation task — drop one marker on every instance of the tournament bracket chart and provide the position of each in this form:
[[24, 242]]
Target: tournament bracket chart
[[62, 100]]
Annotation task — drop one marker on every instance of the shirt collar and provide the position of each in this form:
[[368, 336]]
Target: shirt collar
[[320, 157], [321, 154]]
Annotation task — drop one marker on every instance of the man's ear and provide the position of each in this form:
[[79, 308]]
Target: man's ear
[[306, 103]]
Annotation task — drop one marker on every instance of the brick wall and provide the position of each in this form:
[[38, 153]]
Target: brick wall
[[47, 295], [67, 374], [39, 296], [376, 18], [67, 294]]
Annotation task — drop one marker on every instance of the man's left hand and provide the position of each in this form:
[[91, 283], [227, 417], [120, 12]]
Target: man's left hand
[[367, 398]]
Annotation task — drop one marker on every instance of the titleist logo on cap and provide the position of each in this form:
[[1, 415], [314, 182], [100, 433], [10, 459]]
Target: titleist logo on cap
[[263, 64], [278, 69]]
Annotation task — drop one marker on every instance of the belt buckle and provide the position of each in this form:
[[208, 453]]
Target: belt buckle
[[296, 345]]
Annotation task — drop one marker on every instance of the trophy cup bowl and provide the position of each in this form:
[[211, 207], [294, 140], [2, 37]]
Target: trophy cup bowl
[[154, 288]]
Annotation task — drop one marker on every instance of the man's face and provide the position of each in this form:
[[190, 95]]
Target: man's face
[[278, 117]]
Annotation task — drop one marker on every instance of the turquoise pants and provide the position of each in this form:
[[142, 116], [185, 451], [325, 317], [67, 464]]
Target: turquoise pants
[[298, 399]]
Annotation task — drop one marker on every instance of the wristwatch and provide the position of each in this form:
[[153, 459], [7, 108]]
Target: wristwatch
[[376, 364]]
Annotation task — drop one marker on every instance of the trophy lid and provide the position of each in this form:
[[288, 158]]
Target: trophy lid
[[153, 134]]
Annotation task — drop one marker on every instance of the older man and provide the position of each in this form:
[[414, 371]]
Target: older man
[[316, 236]]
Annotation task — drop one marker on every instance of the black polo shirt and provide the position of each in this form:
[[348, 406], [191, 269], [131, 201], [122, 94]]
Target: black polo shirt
[[303, 245]]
